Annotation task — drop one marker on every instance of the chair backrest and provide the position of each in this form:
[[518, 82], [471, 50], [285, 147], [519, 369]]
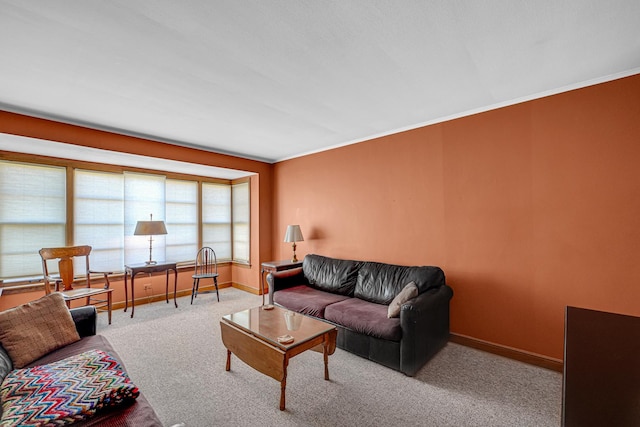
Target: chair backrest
[[206, 261], [65, 256]]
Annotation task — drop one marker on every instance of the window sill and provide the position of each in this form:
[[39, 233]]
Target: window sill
[[36, 284]]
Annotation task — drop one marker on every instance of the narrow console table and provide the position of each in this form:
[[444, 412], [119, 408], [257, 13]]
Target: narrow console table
[[272, 267], [133, 269]]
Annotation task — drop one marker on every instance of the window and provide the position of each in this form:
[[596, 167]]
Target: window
[[216, 219], [144, 196], [241, 215], [32, 216], [99, 217], [101, 200], [181, 207], [102, 209]]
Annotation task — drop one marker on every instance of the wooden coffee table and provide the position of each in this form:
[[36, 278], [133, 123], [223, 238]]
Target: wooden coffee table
[[252, 335]]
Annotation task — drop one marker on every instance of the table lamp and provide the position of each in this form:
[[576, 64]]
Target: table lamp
[[293, 235], [150, 228]]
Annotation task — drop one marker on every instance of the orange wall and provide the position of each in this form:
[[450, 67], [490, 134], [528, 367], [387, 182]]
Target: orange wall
[[527, 208], [261, 184]]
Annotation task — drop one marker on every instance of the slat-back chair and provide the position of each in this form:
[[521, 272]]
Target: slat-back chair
[[206, 268], [98, 296]]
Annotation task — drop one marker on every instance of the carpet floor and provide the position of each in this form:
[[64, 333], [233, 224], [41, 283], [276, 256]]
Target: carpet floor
[[177, 359]]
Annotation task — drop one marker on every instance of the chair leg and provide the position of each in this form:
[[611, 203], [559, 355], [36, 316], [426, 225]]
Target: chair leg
[[215, 282], [194, 289]]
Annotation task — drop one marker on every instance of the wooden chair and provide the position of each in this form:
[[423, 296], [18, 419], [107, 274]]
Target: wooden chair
[[98, 296], [206, 268]]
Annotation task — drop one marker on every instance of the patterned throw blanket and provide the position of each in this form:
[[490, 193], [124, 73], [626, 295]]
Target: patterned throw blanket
[[64, 392]]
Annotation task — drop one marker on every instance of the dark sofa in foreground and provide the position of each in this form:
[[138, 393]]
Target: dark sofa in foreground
[[139, 413], [356, 297]]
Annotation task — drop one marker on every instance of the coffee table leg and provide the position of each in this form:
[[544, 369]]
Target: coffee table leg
[[283, 384], [228, 368], [325, 353]]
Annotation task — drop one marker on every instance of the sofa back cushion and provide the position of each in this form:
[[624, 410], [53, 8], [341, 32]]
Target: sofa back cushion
[[337, 276], [380, 283]]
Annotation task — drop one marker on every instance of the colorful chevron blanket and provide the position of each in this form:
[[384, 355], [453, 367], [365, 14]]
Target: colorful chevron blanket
[[64, 392]]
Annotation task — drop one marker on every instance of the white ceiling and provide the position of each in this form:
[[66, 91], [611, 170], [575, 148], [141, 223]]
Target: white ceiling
[[276, 79]]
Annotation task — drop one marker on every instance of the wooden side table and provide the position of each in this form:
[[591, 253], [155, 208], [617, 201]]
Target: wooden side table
[[272, 267], [132, 269]]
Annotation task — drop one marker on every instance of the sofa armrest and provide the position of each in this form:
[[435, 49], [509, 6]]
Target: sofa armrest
[[425, 327], [86, 319], [285, 279]]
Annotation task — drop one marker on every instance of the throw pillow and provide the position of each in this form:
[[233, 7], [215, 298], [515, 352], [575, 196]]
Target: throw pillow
[[30, 331], [408, 292], [64, 392]]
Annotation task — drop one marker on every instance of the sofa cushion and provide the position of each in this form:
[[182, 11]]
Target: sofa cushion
[[29, 331], [408, 292], [304, 299], [380, 283], [329, 274], [364, 317], [64, 392], [93, 342]]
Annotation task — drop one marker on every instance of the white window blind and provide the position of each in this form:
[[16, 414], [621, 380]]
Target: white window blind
[[182, 220], [32, 216], [241, 215], [99, 218], [216, 219], [143, 195], [104, 211]]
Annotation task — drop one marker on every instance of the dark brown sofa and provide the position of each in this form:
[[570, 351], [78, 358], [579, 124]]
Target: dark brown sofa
[[355, 296], [138, 414]]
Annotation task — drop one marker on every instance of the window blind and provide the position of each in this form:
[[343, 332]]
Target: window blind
[[216, 219], [99, 218], [105, 208], [182, 219], [32, 215], [144, 195], [241, 215]]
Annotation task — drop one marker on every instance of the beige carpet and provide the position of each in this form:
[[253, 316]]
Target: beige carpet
[[176, 357]]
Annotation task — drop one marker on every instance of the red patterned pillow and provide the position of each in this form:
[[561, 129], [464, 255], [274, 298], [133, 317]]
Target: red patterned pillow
[[63, 392]]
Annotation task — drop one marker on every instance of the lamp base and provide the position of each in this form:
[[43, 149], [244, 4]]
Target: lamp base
[[151, 262]]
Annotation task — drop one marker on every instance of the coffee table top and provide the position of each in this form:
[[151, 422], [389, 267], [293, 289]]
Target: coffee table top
[[268, 325]]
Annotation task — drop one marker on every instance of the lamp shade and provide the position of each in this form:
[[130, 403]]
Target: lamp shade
[[150, 228], [293, 234]]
